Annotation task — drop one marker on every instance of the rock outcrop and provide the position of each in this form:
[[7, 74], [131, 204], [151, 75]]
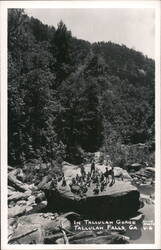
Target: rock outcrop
[[23, 198], [34, 228], [118, 200]]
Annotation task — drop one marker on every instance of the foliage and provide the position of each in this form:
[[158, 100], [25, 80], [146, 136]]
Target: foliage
[[67, 97]]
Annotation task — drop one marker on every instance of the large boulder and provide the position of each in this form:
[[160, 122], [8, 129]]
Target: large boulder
[[91, 237], [108, 239], [16, 211], [15, 183], [50, 222], [119, 172], [116, 200], [150, 169], [44, 181], [119, 200], [150, 172], [28, 234], [16, 196], [32, 229], [11, 190], [10, 168], [134, 167]]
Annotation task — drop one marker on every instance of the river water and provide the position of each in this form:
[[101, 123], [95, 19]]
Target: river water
[[145, 235]]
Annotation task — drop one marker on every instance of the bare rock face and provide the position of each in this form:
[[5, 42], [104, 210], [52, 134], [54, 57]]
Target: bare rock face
[[91, 237], [16, 211], [28, 234], [44, 182], [50, 222], [14, 182], [16, 196], [23, 199], [117, 200], [33, 228], [108, 239]]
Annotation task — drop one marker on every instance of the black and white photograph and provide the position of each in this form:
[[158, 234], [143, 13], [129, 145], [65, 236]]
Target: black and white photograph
[[81, 126]]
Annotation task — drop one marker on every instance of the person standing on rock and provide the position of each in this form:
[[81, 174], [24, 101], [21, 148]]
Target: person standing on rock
[[77, 178], [96, 189], [83, 173], [54, 182], [64, 182], [106, 174], [93, 167], [102, 177], [111, 172], [73, 181], [88, 176], [103, 184]]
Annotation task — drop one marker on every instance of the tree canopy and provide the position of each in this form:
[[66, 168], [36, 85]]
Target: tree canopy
[[67, 96]]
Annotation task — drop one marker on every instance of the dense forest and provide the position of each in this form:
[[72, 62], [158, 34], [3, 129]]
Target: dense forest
[[68, 97]]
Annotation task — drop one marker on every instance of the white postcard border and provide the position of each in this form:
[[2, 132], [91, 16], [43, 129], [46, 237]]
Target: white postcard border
[[4, 5]]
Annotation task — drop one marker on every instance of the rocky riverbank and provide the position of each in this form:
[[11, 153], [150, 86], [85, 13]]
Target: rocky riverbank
[[30, 221]]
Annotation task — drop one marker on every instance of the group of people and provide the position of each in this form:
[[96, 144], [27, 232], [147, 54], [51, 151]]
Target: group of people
[[94, 179], [81, 183]]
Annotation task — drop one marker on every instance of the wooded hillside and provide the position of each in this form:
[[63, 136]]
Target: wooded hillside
[[67, 96]]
